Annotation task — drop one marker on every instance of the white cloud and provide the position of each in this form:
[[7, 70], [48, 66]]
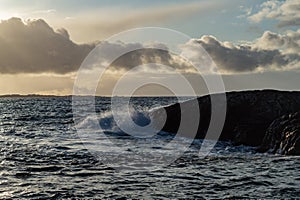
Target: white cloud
[[288, 43], [286, 12], [246, 11], [44, 11]]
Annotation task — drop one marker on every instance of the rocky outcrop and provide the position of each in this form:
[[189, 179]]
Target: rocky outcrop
[[283, 136], [253, 118]]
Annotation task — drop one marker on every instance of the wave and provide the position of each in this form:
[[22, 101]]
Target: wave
[[125, 120], [108, 123]]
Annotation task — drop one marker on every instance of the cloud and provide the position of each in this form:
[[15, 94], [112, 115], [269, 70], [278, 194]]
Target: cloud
[[246, 11], [269, 52], [286, 12], [137, 54], [34, 47], [288, 43], [44, 11]]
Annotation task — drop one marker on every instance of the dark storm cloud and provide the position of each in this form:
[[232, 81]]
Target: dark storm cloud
[[143, 56], [34, 47], [271, 51], [249, 57], [130, 55]]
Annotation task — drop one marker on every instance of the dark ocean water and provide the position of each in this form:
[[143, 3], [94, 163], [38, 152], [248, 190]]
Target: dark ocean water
[[42, 157]]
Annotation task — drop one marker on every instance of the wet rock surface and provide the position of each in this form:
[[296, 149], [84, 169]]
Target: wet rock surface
[[267, 119], [283, 135]]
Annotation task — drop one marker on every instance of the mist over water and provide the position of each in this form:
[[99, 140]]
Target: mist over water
[[42, 156]]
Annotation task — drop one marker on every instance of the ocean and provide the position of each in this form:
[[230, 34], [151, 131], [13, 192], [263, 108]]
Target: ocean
[[42, 156]]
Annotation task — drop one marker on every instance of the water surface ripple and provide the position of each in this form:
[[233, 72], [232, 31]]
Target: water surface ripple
[[41, 157]]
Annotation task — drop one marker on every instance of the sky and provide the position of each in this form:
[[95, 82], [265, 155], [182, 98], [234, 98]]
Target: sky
[[255, 44]]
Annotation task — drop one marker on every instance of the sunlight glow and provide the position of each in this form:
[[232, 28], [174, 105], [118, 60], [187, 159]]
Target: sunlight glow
[[7, 15]]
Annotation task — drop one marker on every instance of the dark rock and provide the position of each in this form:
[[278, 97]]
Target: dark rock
[[283, 136], [249, 115]]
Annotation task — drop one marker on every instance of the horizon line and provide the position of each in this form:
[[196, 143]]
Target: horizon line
[[109, 96]]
